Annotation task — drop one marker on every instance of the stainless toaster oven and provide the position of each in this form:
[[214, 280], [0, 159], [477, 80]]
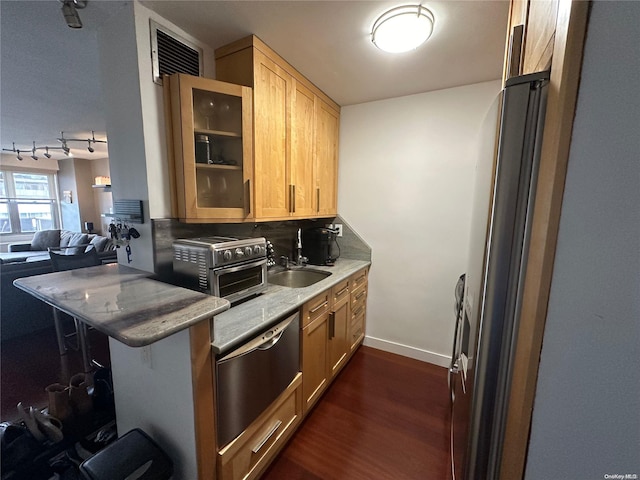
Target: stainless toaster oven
[[231, 268]]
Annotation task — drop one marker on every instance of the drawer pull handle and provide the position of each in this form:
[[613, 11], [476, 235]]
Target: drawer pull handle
[[314, 310], [345, 289], [360, 295], [357, 312], [266, 438]]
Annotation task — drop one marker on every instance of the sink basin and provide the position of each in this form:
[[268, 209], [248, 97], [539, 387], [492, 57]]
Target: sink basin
[[297, 278]]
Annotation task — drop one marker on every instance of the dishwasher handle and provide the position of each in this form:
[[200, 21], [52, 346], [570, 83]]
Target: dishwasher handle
[[263, 342]]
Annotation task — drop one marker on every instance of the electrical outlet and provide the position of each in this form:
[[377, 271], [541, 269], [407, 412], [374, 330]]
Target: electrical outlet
[[338, 227]]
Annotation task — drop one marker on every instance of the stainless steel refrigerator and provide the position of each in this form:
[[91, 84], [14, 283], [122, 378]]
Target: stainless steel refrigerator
[[487, 312]]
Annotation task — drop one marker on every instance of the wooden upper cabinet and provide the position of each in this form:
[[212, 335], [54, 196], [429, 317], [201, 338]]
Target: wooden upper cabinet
[[326, 160], [209, 128], [302, 170], [272, 92], [295, 132], [531, 35]]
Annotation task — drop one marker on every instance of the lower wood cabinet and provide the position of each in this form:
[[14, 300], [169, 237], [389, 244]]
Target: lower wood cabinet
[[332, 326], [314, 360], [358, 309], [330, 333], [250, 453], [338, 340]]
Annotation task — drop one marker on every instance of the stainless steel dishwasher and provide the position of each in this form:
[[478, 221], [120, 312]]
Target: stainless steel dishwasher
[[251, 377]]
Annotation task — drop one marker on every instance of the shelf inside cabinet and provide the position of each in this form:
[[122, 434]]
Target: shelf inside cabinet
[[213, 166], [219, 133], [106, 188]]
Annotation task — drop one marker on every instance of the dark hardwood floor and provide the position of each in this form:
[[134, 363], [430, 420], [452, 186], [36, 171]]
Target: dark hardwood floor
[[31, 362], [384, 417]]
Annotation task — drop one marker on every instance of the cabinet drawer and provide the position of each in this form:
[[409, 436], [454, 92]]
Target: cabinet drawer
[[358, 313], [359, 298], [356, 329], [249, 454], [358, 279], [340, 292], [315, 307]]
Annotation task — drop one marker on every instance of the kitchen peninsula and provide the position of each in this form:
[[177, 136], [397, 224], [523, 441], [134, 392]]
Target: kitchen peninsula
[[157, 387], [166, 386], [123, 302]]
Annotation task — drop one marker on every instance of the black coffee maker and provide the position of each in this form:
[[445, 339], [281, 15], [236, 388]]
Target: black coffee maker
[[317, 245]]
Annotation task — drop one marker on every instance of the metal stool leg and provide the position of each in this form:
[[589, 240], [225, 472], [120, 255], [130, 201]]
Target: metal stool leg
[[62, 348], [81, 328]]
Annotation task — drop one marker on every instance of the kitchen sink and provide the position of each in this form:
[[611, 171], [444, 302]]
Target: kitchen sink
[[297, 278]]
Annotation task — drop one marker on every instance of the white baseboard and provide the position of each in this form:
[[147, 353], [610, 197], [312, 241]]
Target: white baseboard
[[407, 351]]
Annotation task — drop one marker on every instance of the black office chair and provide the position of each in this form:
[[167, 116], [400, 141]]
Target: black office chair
[[133, 455], [61, 262]]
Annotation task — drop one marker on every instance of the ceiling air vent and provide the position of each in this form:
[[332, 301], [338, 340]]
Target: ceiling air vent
[[172, 54]]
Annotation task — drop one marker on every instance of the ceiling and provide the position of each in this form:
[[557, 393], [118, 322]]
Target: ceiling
[[50, 80]]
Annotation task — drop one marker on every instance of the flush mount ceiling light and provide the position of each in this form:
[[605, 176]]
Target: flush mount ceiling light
[[402, 28]]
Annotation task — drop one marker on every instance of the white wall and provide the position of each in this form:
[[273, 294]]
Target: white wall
[[586, 418], [135, 120], [405, 185], [153, 391], [124, 121]]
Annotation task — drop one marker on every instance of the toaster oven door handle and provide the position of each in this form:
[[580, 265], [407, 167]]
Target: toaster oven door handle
[[224, 270], [264, 342]]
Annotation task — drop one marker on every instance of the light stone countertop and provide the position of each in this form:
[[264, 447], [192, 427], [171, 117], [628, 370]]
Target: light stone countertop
[[245, 320], [123, 302]]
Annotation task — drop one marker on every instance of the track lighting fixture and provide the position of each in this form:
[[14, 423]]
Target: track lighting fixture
[[70, 12], [64, 146]]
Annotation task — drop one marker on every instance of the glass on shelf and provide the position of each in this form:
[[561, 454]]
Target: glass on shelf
[[217, 112], [206, 106], [218, 188]]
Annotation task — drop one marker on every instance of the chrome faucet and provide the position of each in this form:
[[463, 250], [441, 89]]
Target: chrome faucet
[[300, 260]]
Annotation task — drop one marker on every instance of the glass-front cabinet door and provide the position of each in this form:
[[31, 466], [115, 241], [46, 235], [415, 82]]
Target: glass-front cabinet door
[[211, 125]]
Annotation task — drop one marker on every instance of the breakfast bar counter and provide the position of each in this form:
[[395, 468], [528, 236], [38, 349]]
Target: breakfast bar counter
[[122, 302]]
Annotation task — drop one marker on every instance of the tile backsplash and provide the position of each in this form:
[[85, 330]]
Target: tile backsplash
[[281, 234]]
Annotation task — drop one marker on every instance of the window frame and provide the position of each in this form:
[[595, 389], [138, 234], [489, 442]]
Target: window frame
[[14, 200]]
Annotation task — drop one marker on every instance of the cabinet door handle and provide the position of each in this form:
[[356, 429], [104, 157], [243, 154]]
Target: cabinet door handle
[[248, 198], [292, 198], [323, 304], [267, 436], [332, 325], [317, 200]]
